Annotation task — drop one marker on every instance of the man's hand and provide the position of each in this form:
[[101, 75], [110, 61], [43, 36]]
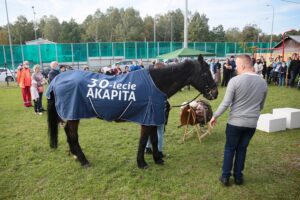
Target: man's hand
[[213, 121]]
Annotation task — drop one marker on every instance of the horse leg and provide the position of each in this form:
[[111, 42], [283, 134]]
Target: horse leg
[[67, 131], [154, 141], [72, 137], [141, 149]]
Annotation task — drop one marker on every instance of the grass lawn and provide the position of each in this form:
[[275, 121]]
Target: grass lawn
[[29, 169]]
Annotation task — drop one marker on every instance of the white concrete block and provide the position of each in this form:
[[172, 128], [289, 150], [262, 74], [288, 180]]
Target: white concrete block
[[292, 116], [271, 123]]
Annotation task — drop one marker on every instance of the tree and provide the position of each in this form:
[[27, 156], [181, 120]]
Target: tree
[[163, 28], [22, 30], [69, 32], [218, 34], [88, 27], [3, 35], [250, 33], [132, 25], [198, 28], [52, 28], [178, 23], [233, 35], [148, 28]]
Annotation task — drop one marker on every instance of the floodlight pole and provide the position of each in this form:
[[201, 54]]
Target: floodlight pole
[[271, 40], [154, 30], [185, 42], [34, 28], [9, 38]]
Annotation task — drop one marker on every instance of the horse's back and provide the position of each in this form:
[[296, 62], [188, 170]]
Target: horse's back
[[131, 97]]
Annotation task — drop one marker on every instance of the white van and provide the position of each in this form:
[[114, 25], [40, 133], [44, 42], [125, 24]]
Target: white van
[[6, 75]]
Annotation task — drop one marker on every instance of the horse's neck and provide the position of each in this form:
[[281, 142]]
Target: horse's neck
[[171, 79]]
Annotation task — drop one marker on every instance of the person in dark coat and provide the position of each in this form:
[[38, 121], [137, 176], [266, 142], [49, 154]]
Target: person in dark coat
[[226, 72], [54, 71], [294, 69]]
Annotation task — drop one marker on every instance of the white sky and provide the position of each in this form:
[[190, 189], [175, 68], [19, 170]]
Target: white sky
[[229, 13]]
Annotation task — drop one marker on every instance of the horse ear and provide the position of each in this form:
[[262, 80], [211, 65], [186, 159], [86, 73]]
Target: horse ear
[[200, 58]]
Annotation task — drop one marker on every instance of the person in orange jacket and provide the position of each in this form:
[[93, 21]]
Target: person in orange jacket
[[24, 81]]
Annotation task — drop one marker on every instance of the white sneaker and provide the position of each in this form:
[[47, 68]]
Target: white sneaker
[[40, 113]]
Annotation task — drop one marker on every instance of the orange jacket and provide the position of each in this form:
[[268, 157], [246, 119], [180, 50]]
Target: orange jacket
[[24, 77]]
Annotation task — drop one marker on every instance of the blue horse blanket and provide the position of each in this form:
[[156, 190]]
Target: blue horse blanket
[[130, 97]]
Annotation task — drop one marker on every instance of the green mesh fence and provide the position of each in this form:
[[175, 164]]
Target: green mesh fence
[[80, 52]]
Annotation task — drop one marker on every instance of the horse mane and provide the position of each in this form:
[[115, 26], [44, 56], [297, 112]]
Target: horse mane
[[162, 68], [171, 78]]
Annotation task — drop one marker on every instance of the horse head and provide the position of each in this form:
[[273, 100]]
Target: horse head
[[202, 79]]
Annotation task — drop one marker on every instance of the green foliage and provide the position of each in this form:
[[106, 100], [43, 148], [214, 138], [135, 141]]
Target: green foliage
[[250, 33], [70, 32], [233, 34], [119, 24], [3, 35], [178, 23], [22, 30], [217, 34], [198, 28], [148, 28], [52, 28], [29, 169]]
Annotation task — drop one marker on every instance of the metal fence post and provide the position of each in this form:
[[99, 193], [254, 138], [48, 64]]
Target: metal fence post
[[40, 56], [4, 54], [216, 46], [205, 46], [72, 50], [124, 50], [235, 48], [113, 51], [148, 51], [225, 49], [135, 46], [87, 51], [22, 52], [56, 53]]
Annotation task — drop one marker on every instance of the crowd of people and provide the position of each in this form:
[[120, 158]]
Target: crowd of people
[[273, 70], [116, 70]]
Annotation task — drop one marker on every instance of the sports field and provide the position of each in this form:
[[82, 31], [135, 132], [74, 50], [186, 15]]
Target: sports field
[[29, 169]]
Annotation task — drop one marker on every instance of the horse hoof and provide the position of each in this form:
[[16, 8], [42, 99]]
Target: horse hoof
[[53, 146], [159, 162], [86, 165]]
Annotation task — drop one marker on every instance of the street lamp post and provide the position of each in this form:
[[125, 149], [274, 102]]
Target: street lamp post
[[272, 24], [185, 31], [35, 28], [155, 19], [9, 38]]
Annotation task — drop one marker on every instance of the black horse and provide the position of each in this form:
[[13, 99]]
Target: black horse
[[169, 80]]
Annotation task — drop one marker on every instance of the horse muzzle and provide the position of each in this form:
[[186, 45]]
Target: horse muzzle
[[212, 94]]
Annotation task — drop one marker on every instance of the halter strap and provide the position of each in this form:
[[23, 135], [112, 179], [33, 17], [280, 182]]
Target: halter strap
[[187, 102]]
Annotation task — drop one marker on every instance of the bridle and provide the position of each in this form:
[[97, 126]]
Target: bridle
[[207, 91]]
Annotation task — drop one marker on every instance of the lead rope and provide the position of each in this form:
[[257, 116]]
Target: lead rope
[[187, 102]]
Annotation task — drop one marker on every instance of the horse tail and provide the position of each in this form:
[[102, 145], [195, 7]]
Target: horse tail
[[53, 120]]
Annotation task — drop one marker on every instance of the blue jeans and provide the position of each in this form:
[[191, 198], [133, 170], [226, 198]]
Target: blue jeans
[[160, 138], [281, 81], [237, 140]]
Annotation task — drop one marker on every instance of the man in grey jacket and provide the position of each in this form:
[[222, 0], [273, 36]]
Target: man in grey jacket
[[245, 95]]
